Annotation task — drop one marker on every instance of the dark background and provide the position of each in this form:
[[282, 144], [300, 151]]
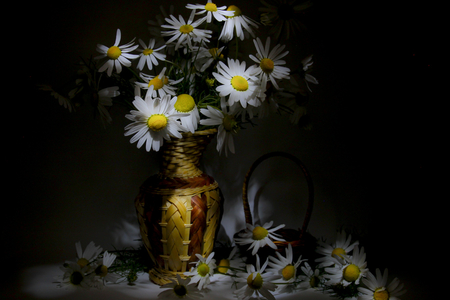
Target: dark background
[[370, 150]]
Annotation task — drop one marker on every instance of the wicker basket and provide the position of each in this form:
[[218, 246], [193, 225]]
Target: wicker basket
[[301, 241], [179, 209]]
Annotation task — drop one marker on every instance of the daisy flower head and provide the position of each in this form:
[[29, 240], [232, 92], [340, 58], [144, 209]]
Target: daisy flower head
[[63, 101], [282, 16], [307, 63], [153, 122], [149, 54], [75, 277], [334, 252], [203, 270], [269, 63], [238, 23], [285, 267], [105, 99], [161, 84], [228, 127], [255, 281], [225, 263], [236, 82], [211, 10], [185, 32], [102, 269], [87, 256], [205, 57], [185, 105], [117, 55], [312, 279], [377, 288], [352, 269], [259, 236], [179, 288]]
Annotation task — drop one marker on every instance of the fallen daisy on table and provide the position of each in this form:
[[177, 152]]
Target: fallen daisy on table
[[259, 236]]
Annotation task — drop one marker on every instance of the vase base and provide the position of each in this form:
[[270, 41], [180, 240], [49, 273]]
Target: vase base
[[161, 277]]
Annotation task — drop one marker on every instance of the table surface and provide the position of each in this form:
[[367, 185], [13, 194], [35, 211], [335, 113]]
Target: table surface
[[38, 283]]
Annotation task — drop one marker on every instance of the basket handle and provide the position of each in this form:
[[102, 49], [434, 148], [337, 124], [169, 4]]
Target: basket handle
[[248, 215]]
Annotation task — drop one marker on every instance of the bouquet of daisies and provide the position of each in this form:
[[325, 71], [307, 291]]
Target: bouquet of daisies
[[189, 76]]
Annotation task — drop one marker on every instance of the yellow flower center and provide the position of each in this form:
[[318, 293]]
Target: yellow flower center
[[76, 278], [114, 52], [288, 272], [158, 83], [314, 282], [185, 103], [203, 269], [230, 124], [255, 283], [157, 122], [237, 11], [266, 65], [180, 290], [82, 262], [148, 51], [215, 53], [381, 294], [101, 271], [259, 233], [223, 266], [338, 252], [211, 7], [185, 29], [351, 273], [239, 83]]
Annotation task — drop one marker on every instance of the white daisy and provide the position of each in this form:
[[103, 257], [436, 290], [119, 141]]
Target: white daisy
[[88, 255], [203, 270], [149, 55], [351, 270], [227, 127], [237, 82], [255, 281], [185, 105], [237, 23], [63, 101], [269, 63], [102, 269], [342, 246], [75, 277], [161, 84], [105, 99], [153, 122], [211, 10], [184, 33], [224, 266], [311, 278], [204, 57], [259, 236], [283, 16], [377, 288], [179, 289], [285, 267], [117, 55], [307, 63]]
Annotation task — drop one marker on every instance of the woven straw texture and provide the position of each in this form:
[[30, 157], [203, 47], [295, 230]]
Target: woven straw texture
[[179, 208]]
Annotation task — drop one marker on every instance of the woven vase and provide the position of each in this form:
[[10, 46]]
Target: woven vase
[[179, 208]]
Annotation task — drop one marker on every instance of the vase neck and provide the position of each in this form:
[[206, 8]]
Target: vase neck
[[180, 158]]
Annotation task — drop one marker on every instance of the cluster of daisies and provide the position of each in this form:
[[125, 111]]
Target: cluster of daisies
[[91, 269], [340, 270], [188, 77]]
